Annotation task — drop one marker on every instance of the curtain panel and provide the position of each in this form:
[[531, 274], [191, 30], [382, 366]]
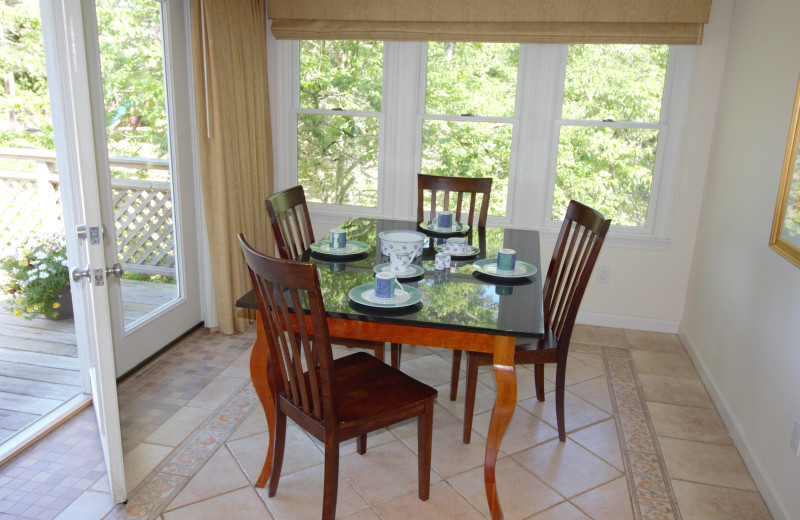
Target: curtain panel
[[234, 141], [520, 21]]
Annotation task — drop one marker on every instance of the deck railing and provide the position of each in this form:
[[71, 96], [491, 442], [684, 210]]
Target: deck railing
[[30, 203]]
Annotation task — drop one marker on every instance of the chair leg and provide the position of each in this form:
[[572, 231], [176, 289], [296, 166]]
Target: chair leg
[[361, 444], [456, 371], [539, 377], [397, 351], [424, 441], [469, 398], [561, 372], [277, 457], [331, 483], [378, 351]]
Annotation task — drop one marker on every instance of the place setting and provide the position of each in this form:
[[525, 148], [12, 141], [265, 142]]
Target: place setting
[[386, 295], [401, 265], [338, 247], [444, 225], [505, 271], [456, 247]]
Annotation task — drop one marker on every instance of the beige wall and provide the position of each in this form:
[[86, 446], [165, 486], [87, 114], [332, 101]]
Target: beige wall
[[741, 320]]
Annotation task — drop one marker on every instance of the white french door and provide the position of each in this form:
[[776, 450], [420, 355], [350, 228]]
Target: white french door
[[114, 336]]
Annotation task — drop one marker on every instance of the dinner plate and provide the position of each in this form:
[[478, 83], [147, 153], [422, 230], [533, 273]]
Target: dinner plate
[[412, 271], [353, 247], [489, 266], [365, 295], [471, 251], [433, 227]]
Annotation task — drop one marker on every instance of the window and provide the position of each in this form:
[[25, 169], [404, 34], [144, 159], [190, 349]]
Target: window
[[549, 123], [609, 129], [469, 113], [338, 121]]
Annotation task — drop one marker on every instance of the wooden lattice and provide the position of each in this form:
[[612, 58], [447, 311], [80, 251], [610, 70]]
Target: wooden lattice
[[19, 212]]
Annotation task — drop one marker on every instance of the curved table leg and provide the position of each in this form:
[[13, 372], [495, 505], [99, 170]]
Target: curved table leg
[[258, 373], [501, 416]]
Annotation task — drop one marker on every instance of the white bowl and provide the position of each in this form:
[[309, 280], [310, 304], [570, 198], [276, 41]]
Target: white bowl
[[399, 240]]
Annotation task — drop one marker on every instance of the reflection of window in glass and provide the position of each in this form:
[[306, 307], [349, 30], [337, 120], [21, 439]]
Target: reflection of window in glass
[[338, 121], [469, 109], [791, 217], [608, 134]]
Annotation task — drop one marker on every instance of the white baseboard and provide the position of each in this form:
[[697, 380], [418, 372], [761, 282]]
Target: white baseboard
[[627, 322], [746, 450]]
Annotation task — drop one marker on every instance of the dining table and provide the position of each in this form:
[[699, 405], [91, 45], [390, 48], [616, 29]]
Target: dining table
[[461, 307]]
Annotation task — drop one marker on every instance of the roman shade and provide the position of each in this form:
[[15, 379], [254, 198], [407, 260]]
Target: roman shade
[[520, 21]]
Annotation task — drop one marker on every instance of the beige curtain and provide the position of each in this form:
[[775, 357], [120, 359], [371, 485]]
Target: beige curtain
[[522, 21], [235, 141]]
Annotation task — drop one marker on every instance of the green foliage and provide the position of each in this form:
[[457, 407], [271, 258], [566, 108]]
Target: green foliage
[[35, 275], [478, 79], [23, 98], [610, 168], [133, 77], [466, 149], [337, 159], [132, 64]]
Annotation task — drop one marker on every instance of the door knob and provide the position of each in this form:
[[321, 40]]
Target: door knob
[[115, 269], [78, 274]]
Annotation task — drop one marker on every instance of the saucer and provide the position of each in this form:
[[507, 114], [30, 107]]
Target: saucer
[[433, 227], [353, 247], [412, 271]]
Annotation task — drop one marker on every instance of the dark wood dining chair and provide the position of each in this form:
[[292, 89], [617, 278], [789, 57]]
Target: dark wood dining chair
[[579, 242], [291, 224], [459, 195], [333, 400]]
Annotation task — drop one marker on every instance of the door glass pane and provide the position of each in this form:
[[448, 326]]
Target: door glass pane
[[132, 60], [39, 366]]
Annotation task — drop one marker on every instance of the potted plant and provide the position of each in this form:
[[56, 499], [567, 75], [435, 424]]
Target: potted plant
[[37, 278]]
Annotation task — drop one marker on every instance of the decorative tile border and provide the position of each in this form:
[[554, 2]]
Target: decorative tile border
[[154, 494], [649, 486]]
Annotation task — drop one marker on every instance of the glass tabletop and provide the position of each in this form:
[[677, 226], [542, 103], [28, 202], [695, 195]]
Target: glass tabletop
[[459, 298]]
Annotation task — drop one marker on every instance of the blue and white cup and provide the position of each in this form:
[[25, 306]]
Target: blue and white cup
[[387, 286], [400, 261], [441, 276], [456, 245], [441, 261], [337, 239], [445, 220], [506, 260]]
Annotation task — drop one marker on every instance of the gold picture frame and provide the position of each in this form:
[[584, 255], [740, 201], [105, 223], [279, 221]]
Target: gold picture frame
[[785, 235]]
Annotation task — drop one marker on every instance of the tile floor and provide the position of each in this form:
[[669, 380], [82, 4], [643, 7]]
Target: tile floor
[[644, 442]]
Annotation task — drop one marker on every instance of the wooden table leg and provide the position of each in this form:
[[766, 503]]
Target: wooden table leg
[[258, 373], [501, 415]]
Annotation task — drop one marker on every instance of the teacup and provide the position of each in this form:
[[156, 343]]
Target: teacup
[[400, 261], [445, 220], [456, 245], [387, 286], [337, 239], [506, 260]]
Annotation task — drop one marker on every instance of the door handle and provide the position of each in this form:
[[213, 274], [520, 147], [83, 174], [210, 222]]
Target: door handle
[[79, 274], [115, 269]]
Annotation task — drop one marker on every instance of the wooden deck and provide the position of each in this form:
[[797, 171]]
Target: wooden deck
[[39, 367]]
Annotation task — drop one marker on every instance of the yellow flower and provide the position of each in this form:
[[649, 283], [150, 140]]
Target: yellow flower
[[17, 312], [29, 309], [36, 307], [56, 305]]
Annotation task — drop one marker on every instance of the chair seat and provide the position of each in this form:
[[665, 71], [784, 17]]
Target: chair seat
[[368, 389]]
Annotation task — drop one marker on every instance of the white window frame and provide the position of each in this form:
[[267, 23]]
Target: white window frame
[[537, 117]]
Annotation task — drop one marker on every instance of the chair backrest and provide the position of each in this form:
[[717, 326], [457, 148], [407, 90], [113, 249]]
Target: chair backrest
[[291, 222], [574, 256], [301, 363], [455, 188]]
